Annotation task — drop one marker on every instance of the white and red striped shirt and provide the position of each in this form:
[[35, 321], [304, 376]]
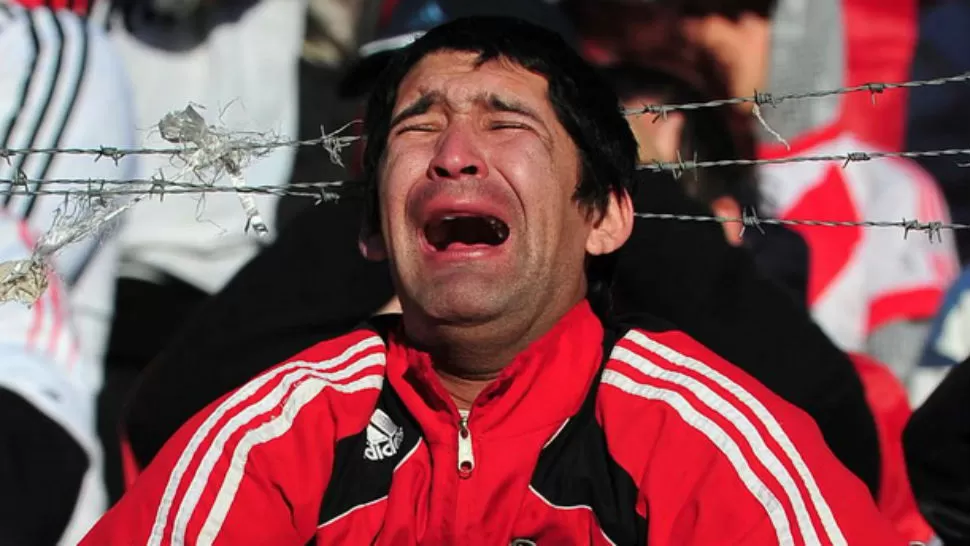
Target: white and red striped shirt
[[862, 278]]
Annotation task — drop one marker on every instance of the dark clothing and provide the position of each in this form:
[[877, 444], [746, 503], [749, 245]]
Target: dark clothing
[[146, 316], [937, 446], [41, 469], [312, 282]]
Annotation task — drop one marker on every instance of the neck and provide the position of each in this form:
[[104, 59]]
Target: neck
[[467, 359], [467, 364]]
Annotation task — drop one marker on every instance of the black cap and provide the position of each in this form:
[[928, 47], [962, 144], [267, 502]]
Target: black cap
[[410, 19]]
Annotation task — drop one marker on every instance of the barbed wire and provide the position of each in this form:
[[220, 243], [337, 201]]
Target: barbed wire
[[845, 158], [321, 191], [117, 153], [335, 141], [770, 99], [209, 153], [676, 167], [933, 228], [159, 188]]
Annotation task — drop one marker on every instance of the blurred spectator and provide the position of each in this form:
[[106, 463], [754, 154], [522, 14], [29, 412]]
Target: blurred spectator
[[871, 290], [62, 85], [238, 61], [50, 460], [674, 74]]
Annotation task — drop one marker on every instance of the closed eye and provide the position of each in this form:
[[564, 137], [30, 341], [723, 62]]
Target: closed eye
[[416, 128], [498, 125]]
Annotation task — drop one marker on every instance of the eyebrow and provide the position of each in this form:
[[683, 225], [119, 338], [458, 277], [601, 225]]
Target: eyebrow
[[499, 104], [492, 101], [417, 108]]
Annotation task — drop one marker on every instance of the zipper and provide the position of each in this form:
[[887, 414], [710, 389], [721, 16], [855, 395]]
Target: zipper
[[466, 456]]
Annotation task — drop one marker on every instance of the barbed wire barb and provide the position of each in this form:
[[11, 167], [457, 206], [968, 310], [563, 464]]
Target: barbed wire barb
[[217, 150], [759, 100], [334, 144], [749, 217]]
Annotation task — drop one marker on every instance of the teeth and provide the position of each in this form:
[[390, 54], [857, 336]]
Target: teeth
[[501, 230]]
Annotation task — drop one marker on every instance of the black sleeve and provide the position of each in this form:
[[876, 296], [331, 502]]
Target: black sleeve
[[686, 273], [936, 443], [41, 471], [309, 284]]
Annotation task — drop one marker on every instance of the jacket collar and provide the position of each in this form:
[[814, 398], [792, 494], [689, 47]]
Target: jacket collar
[[545, 384]]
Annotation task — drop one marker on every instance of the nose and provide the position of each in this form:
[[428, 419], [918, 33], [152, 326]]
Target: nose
[[459, 154]]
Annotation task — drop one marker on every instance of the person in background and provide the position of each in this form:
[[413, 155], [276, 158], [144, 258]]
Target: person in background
[[178, 250], [62, 85], [498, 170], [673, 72], [872, 291], [709, 288]]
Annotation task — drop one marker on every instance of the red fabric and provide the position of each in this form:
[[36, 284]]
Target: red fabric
[[890, 407], [831, 249], [80, 7], [129, 464], [700, 441], [922, 303], [387, 8], [881, 36]]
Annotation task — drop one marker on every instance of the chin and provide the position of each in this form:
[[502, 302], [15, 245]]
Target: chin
[[463, 304]]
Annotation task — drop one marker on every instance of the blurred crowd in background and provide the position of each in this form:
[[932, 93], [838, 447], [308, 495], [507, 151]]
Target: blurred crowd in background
[[79, 75]]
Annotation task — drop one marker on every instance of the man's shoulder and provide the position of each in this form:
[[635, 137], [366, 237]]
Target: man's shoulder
[[655, 348], [340, 376], [346, 362], [663, 388], [660, 364]]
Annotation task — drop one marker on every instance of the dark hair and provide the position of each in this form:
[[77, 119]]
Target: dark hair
[[583, 101]]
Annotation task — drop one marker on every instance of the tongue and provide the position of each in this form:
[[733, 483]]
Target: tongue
[[466, 230]]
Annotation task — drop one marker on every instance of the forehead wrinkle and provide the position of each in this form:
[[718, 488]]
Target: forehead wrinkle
[[489, 101]]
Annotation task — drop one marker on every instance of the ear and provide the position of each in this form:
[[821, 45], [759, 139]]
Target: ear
[[727, 207], [372, 247], [613, 228]]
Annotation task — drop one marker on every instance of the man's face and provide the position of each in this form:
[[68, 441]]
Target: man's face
[[476, 194]]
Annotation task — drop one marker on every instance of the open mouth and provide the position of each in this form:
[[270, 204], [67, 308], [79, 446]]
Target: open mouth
[[466, 231]]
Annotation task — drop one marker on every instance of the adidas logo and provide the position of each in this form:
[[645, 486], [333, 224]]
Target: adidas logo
[[384, 437]]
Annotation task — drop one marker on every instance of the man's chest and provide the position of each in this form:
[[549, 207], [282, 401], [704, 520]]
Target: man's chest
[[391, 486]]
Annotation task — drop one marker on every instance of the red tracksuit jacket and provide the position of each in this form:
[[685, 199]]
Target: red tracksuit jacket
[[592, 436]]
